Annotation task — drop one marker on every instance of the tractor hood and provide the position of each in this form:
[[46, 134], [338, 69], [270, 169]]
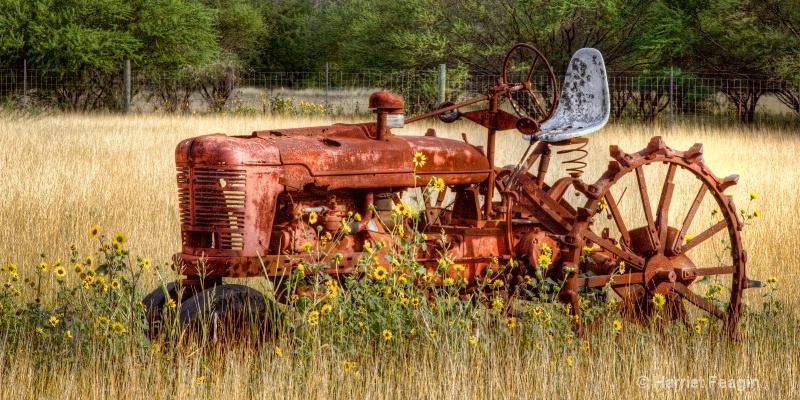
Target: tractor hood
[[340, 156]]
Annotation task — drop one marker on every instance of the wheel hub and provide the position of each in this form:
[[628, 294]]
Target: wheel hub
[[661, 272]]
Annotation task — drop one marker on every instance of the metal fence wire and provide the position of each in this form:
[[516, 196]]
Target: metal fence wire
[[665, 97]]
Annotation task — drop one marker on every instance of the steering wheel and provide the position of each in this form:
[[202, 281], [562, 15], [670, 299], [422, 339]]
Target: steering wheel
[[527, 102]]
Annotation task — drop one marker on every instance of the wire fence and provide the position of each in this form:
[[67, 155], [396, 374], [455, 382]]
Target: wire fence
[[667, 96]]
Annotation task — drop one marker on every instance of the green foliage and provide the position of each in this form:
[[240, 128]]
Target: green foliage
[[714, 36], [740, 36], [75, 308], [276, 103], [81, 44], [298, 36], [239, 25], [172, 34], [484, 32], [392, 35], [781, 19], [70, 35]]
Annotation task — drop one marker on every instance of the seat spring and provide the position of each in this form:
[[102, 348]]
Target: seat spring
[[575, 166]]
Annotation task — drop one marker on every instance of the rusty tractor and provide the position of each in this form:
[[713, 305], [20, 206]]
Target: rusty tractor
[[655, 227]]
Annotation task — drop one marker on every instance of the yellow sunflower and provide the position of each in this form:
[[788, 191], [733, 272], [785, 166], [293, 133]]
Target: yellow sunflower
[[380, 273], [118, 328], [60, 272], [497, 304], [94, 232], [772, 280], [439, 185], [659, 300], [313, 318], [419, 159], [120, 238], [617, 325]]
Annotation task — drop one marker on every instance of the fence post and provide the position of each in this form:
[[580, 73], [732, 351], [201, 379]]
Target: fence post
[[229, 87], [327, 85], [24, 100], [440, 97], [671, 97], [126, 86]]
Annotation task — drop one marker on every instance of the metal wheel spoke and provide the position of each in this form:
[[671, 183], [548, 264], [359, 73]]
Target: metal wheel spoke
[[687, 222], [529, 79], [537, 104], [532, 69], [715, 271], [648, 211], [630, 258], [706, 305], [618, 220], [705, 235], [663, 208]]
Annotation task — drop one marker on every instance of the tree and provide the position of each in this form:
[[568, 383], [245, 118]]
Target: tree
[[82, 43], [720, 37], [239, 27], [481, 33], [782, 18], [390, 34], [290, 40]]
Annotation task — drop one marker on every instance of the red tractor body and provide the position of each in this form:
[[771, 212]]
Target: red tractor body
[[331, 197], [243, 198]]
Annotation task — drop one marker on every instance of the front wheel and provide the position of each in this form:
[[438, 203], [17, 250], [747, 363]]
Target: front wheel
[[160, 306], [225, 313]]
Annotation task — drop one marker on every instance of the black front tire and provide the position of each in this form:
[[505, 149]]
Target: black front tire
[[225, 313], [155, 311]]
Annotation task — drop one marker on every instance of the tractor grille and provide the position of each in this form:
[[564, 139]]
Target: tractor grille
[[212, 204]]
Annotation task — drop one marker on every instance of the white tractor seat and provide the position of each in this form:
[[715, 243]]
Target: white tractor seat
[[585, 103]]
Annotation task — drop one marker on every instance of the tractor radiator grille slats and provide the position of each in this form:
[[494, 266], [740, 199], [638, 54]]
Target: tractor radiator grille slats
[[212, 207]]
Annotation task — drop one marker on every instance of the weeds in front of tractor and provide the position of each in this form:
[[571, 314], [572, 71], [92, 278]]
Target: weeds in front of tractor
[[94, 303], [68, 308]]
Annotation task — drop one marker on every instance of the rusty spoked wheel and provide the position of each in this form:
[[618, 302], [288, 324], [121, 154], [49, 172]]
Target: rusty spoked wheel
[[662, 217], [539, 96]]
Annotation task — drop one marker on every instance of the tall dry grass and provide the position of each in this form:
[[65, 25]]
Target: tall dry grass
[[63, 174]]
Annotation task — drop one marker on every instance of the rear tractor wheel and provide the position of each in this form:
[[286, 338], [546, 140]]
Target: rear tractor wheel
[[677, 259]]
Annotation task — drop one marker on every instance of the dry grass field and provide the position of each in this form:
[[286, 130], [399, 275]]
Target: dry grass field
[[63, 174]]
